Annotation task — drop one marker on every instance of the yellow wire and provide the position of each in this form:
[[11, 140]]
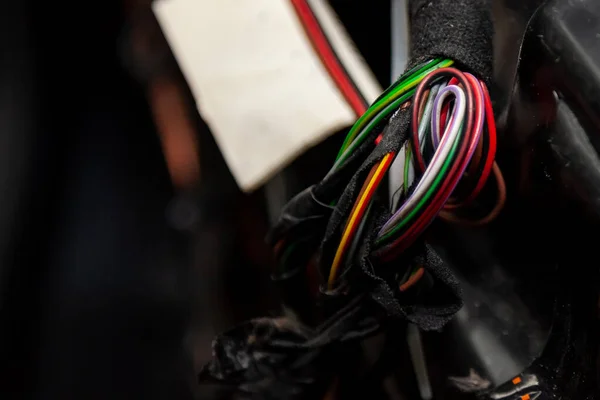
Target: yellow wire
[[353, 220]]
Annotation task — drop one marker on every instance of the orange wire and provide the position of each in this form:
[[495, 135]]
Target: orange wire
[[356, 215], [500, 201], [414, 278], [362, 190]]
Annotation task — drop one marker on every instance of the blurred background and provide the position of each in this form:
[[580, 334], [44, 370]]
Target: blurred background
[[125, 242]]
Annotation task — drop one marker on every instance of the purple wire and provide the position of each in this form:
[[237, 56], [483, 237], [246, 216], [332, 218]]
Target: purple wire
[[478, 133], [435, 132], [434, 122], [469, 156]]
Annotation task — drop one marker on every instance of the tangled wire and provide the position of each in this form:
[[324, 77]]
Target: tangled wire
[[345, 245]]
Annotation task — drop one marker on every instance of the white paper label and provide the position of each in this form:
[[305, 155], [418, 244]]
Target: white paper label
[[257, 81]]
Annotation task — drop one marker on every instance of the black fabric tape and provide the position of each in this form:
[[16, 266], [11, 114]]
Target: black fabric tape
[[279, 358], [394, 137], [432, 308], [443, 299], [308, 212], [303, 214], [262, 359], [461, 30]]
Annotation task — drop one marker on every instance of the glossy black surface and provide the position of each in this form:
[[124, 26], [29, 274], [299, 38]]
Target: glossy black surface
[[551, 148], [560, 60], [530, 295]]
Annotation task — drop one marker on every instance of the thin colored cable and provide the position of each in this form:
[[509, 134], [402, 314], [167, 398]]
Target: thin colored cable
[[444, 117], [354, 219], [442, 179], [397, 87], [364, 187], [457, 168], [414, 278], [475, 166], [368, 129], [423, 128], [458, 148], [379, 105], [496, 210], [329, 58], [442, 153], [491, 153], [357, 238], [479, 118], [412, 72], [442, 72], [426, 116], [440, 156], [406, 275], [485, 107], [440, 196], [357, 213], [407, 238]]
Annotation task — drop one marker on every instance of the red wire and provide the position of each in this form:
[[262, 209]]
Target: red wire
[[444, 116], [419, 161], [411, 234], [446, 108], [325, 52], [478, 120], [358, 213], [448, 185], [491, 154]]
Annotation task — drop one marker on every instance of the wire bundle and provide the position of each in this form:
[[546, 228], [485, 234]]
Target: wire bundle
[[447, 161]]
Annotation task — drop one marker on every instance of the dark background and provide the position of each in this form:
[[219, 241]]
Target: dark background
[[102, 294]]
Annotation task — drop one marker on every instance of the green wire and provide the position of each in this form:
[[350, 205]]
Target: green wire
[[414, 71], [406, 85], [394, 88], [369, 128], [400, 82], [428, 195]]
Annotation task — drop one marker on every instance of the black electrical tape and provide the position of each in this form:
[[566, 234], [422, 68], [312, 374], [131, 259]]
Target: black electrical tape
[[394, 137], [279, 358], [461, 30]]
